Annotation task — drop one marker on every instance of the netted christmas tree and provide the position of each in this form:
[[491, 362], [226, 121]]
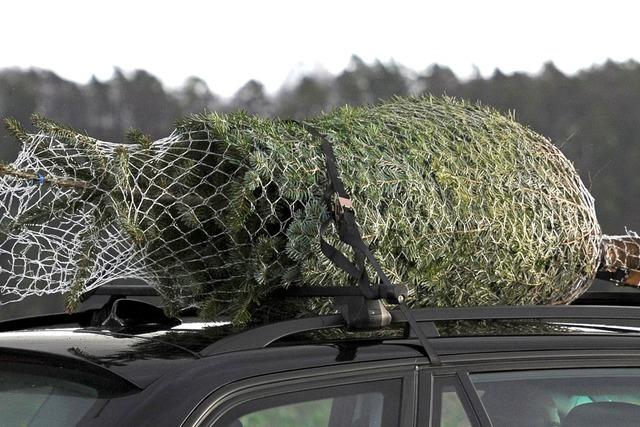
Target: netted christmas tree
[[460, 203]]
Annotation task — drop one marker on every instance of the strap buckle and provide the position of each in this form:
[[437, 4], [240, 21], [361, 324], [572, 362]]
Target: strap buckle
[[341, 204]]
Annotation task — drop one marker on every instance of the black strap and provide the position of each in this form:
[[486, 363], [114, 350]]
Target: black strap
[[344, 218], [348, 231], [432, 354]]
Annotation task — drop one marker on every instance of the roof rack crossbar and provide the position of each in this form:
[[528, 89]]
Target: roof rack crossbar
[[122, 290], [319, 291]]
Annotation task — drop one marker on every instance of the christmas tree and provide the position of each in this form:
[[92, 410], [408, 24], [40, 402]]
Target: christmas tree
[[460, 203]]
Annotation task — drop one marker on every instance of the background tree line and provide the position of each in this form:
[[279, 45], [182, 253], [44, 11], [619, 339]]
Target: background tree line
[[592, 115]]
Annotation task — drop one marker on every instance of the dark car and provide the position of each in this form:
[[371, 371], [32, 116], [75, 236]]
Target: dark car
[[128, 364]]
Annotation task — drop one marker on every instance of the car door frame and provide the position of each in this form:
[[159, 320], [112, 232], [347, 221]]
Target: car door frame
[[460, 371], [230, 396]]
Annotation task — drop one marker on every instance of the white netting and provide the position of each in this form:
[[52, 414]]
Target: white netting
[[460, 203], [47, 257]]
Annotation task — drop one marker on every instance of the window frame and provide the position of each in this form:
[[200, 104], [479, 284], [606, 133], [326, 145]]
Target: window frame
[[431, 381], [233, 395]]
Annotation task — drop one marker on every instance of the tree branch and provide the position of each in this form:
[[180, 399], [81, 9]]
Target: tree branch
[[32, 176]]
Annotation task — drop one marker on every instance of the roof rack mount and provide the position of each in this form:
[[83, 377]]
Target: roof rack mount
[[359, 310]]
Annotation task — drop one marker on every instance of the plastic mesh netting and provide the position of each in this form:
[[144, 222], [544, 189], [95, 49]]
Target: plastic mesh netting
[[461, 203]]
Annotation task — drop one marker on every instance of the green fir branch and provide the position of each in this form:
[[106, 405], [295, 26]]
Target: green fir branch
[[85, 264], [136, 136], [16, 130]]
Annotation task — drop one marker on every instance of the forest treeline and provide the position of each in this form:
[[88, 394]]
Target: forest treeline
[[593, 115]]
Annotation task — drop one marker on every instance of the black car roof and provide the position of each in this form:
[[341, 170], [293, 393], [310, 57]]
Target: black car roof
[[139, 360]]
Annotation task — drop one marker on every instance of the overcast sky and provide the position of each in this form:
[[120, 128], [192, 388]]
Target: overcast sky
[[228, 42]]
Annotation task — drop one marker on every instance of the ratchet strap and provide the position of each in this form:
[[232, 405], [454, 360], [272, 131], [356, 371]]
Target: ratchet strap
[[343, 217]]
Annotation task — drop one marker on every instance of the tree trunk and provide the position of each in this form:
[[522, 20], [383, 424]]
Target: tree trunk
[[620, 259]]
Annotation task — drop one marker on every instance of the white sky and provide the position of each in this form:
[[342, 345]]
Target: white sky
[[228, 42]]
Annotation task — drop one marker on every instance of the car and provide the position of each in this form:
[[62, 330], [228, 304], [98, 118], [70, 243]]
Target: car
[[124, 362]]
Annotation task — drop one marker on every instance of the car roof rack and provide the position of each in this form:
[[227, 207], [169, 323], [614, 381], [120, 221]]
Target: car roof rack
[[264, 336]]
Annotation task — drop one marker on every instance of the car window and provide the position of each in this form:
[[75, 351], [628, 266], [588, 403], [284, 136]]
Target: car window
[[561, 398], [369, 404], [448, 409], [42, 394], [313, 413]]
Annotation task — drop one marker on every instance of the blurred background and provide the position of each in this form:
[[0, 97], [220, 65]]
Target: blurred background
[[570, 71]]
